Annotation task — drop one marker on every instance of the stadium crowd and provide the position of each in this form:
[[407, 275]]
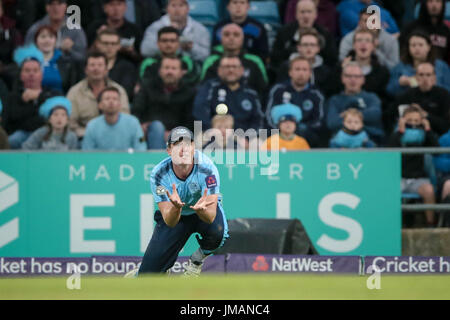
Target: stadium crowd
[[326, 76]]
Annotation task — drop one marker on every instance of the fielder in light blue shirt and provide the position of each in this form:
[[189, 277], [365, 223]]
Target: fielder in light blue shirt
[[113, 130]]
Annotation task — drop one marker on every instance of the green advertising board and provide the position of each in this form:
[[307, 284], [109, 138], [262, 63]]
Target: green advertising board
[[83, 204]]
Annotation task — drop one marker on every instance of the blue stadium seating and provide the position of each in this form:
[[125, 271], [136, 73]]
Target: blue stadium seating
[[265, 12], [204, 11]]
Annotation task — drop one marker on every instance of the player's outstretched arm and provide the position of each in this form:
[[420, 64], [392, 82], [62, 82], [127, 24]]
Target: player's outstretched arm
[[171, 210], [206, 207]]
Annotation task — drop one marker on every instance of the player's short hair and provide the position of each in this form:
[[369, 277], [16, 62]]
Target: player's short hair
[[107, 89], [172, 57], [411, 109], [107, 31], [352, 112], [168, 29], [298, 58], [230, 56]]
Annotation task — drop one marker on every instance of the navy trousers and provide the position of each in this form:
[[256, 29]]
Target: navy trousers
[[166, 242]]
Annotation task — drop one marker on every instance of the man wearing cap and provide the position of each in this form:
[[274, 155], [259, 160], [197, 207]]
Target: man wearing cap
[[186, 187], [73, 40], [195, 38], [21, 108]]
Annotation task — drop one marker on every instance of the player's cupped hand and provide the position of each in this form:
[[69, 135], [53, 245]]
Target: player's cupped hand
[[175, 198], [201, 204]]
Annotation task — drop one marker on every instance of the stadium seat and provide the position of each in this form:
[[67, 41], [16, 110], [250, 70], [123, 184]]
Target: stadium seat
[[205, 12], [265, 12]]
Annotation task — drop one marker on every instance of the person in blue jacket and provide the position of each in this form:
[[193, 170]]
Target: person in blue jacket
[[354, 97], [349, 11], [403, 75], [228, 95]]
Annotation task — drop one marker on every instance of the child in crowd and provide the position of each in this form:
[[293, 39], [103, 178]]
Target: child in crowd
[[414, 131], [287, 116], [352, 134], [225, 124], [55, 135]]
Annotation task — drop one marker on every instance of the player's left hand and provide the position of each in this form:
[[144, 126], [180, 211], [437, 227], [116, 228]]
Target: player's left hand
[[201, 204]]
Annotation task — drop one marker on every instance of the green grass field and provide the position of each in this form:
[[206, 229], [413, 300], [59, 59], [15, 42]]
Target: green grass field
[[231, 287]]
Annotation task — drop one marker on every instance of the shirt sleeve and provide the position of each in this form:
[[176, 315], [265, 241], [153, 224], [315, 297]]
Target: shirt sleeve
[[159, 185]]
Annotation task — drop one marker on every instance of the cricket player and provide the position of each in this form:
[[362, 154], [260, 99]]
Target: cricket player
[[186, 188]]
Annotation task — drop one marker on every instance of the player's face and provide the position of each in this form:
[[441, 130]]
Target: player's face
[[353, 122], [171, 71], [177, 10], [182, 152], [115, 10], [434, 7], [109, 45], [56, 10], [46, 41], [308, 47], [413, 119], [58, 119]]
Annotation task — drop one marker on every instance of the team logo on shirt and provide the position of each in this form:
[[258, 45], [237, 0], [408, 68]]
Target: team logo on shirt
[[160, 190], [194, 187], [246, 105], [211, 181], [307, 105]]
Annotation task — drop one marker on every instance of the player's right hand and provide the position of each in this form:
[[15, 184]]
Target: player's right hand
[[174, 197]]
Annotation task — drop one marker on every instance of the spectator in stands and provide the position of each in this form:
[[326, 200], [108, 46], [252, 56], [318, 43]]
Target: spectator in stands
[[21, 108], [352, 133], [363, 53], [327, 16], [433, 100], [403, 75], [230, 90], [414, 130], [169, 46], [142, 13], [255, 36], [386, 45], [442, 165], [84, 94], [164, 102], [255, 75], [120, 69], [55, 135], [61, 70], [113, 130], [349, 11], [308, 47], [286, 116], [129, 33], [195, 38], [431, 21], [288, 36], [4, 144], [298, 91], [69, 40], [10, 39], [354, 96], [226, 139]]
